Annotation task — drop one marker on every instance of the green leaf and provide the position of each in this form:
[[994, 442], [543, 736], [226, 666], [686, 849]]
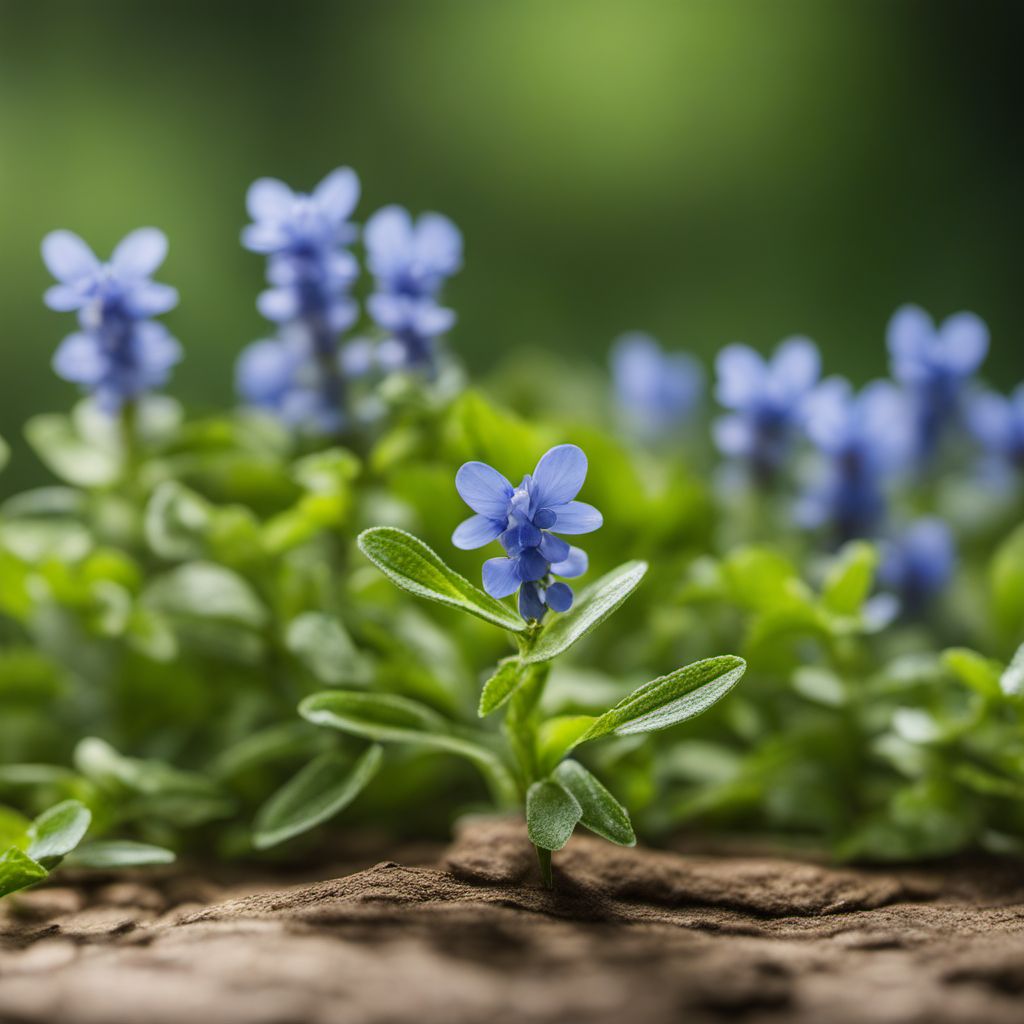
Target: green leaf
[[5, 453], [557, 736], [670, 699], [595, 604], [175, 521], [1006, 578], [602, 813], [414, 567], [13, 828], [18, 870], [511, 673], [327, 785], [551, 814], [203, 590], [850, 578], [976, 671], [71, 457], [1011, 682], [119, 853], [57, 831], [389, 718], [324, 647]]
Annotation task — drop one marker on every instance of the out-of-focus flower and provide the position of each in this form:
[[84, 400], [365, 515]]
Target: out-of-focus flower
[[918, 563], [526, 519], [767, 401], [656, 390], [310, 274], [410, 261], [119, 353], [862, 438], [934, 363], [998, 424]]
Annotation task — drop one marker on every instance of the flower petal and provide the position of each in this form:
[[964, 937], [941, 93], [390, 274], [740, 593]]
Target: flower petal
[[138, 254], [63, 298], [908, 336], [741, 373], [531, 565], [388, 240], [278, 304], [149, 298], [530, 604], [559, 597], [437, 245], [795, 367], [501, 577], [484, 489], [734, 435], [576, 564], [67, 257], [475, 532], [269, 199], [576, 517], [338, 194], [964, 339], [553, 548], [558, 477], [80, 359]]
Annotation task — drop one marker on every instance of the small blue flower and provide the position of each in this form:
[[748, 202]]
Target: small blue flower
[[862, 439], [998, 424], [410, 261], [918, 563], [656, 390], [526, 519], [119, 353], [934, 363], [766, 399], [310, 275]]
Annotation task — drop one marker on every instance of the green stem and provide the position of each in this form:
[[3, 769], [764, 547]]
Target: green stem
[[544, 858]]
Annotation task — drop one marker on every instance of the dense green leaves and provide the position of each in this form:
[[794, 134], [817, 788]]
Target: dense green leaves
[[595, 604], [414, 567], [325, 787], [551, 814]]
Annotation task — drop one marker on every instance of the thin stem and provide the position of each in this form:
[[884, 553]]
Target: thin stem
[[544, 858]]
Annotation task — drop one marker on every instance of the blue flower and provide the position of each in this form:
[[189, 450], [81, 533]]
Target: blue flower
[[119, 353], [766, 399], [862, 439], [998, 424], [526, 519], [410, 261], [299, 375], [934, 363], [918, 563], [656, 390]]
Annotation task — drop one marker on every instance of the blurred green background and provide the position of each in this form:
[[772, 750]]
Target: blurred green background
[[710, 170]]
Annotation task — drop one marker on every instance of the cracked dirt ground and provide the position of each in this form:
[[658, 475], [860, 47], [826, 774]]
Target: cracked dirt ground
[[629, 935]]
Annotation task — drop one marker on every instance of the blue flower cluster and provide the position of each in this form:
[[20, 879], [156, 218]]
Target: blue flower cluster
[[298, 374], [998, 424], [656, 391], [410, 261], [526, 519], [119, 352], [766, 402]]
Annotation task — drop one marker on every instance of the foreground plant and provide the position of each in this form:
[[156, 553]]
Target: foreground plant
[[534, 769]]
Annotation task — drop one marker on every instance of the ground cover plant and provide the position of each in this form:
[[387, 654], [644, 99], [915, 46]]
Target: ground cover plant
[[240, 634]]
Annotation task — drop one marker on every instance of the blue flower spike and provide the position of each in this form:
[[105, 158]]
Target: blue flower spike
[[526, 520], [918, 563], [299, 375], [997, 422], [935, 363], [657, 391], [766, 402], [120, 352], [410, 262]]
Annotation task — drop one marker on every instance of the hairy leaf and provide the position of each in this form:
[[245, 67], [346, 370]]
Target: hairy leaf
[[510, 674], [414, 567], [551, 814], [602, 813]]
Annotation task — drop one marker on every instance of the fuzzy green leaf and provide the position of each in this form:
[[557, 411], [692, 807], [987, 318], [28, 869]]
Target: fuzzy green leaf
[[976, 671], [66, 453], [119, 853], [850, 578], [326, 786], [414, 567], [57, 831], [205, 591], [602, 813], [18, 870], [557, 736], [670, 699], [322, 644], [510, 674], [551, 814], [595, 604]]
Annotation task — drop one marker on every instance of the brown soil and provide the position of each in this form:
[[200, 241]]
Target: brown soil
[[628, 935]]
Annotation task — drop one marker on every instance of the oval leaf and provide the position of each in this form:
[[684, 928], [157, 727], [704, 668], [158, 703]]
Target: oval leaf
[[670, 699], [414, 567], [595, 604], [326, 786], [18, 870], [120, 853], [499, 688], [850, 578], [551, 814], [57, 831], [602, 813]]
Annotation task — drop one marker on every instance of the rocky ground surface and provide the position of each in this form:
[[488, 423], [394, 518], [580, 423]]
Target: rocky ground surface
[[469, 936]]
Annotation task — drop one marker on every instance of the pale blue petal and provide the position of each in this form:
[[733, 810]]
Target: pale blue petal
[[63, 298], [278, 304], [475, 532], [741, 375], [909, 335], [148, 298], [500, 577], [964, 341], [67, 257], [576, 564], [577, 517], [437, 245], [80, 359], [139, 253], [388, 240], [484, 490], [338, 193], [558, 477], [734, 435], [795, 367], [269, 200]]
